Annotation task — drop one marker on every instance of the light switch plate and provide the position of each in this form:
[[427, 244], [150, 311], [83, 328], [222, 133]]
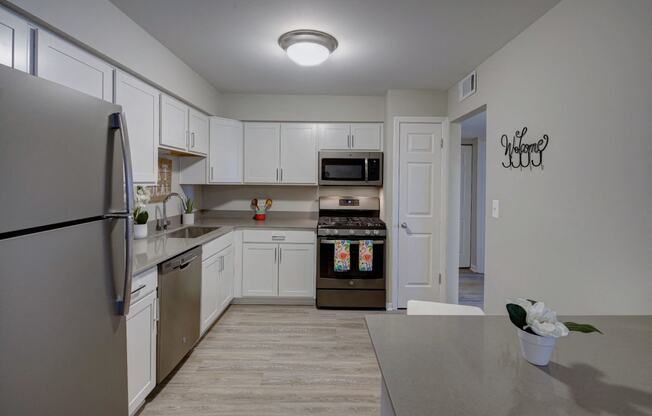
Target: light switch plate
[[495, 208]]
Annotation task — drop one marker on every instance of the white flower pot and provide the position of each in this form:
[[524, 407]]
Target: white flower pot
[[536, 349], [140, 231], [188, 219]]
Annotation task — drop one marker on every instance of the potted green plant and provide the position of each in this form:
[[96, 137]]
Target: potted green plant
[[538, 329], [188, 217], [140, 213]]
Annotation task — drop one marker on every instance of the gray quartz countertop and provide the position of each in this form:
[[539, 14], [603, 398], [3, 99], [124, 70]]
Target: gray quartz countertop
[[472, 365], [158, 247]]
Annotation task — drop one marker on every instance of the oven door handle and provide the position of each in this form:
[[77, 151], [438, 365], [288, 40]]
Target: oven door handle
[[352, 242]]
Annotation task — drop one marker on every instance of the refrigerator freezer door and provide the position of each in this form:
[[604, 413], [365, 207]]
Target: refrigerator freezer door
[[62, 344], [59, 159]]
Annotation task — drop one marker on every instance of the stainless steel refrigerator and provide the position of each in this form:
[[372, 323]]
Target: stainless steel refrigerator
[[65, 250]]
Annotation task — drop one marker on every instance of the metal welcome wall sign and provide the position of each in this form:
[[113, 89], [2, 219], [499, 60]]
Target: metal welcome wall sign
[[523, 155]]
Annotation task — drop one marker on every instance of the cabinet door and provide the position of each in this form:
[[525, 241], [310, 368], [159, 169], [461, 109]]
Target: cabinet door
[[261, 152], [66, 64], [210, 272], [140, 103], [334, 136], [174, 123], [296, 270], [367, 136], [14, 41], [298, 153], [259, 269], [225, 285], [141, 350], [226, 151], [198, 132]]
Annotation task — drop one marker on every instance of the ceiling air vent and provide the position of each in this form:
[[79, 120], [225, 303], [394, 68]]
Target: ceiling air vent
[[467, 85]]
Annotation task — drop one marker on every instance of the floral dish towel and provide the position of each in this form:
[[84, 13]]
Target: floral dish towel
[[342, 260], [366, 256]]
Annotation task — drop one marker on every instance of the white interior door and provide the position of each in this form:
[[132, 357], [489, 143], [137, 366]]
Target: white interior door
[[466, 176], [419, 216]]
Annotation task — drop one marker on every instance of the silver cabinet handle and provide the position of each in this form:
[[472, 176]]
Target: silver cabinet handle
[[275, 254], [281, 174], [276, 174], [211, 173], [352, 141], [278, 238], [187, 138], [192, 135], [348, 140], [280, 255]]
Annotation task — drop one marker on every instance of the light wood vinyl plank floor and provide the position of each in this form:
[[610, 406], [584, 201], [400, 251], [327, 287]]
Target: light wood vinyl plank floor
[[276, 360], [471, 289]]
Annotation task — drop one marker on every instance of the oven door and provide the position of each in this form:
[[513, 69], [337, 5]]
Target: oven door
[[328, 278]]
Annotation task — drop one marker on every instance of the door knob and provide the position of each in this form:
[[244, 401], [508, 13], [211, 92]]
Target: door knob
[[404, 225]]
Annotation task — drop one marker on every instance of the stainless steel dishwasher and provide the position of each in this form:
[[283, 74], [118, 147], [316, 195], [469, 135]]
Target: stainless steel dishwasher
[[179, 288]]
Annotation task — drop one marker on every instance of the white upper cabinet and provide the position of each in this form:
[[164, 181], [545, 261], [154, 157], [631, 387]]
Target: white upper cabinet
[[334, 136], [198, 141], [367, 136], [174, 123], [298, 153], [14, 41], [226, 151], [261, 152], [280, 153], [354, 136], [66, 64], [140, 103]]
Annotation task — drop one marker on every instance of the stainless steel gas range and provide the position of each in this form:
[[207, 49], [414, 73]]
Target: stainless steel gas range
[[351, 253]]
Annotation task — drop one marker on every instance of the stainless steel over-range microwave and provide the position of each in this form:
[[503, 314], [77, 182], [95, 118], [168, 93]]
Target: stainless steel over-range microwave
[[351, 168]]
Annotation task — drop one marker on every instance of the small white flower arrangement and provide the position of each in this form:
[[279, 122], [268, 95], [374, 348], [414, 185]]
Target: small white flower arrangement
[[538, 329], [141, 215]]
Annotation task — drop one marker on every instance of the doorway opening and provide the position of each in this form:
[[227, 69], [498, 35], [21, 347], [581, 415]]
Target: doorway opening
[[472, 209]]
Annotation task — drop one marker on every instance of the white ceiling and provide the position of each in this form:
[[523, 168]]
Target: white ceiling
[[384, 44]]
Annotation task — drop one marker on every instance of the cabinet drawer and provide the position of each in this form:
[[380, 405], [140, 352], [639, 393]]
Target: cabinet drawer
[[278, 236], [143, 284], [215, 246]]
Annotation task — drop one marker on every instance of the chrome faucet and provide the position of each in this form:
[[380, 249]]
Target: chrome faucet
[[163, 224]]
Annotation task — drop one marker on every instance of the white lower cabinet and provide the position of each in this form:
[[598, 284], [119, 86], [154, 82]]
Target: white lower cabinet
[[141, 339], [296, 268], [278, 263], [216, 280], [259, 269]]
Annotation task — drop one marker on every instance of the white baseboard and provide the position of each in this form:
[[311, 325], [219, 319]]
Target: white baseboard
[[273, 301], [389, 306]]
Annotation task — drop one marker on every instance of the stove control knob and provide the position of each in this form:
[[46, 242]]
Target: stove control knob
[[351, 232], [367, 232], [335, 232], [376, 232], [351, 283]]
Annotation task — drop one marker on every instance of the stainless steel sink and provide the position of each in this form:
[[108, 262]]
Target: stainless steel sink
[[191, 232]]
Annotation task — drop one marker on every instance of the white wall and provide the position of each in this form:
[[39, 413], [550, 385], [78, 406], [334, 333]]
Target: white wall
[[102, 27], [278, 107], [415, 103], [577, 234]]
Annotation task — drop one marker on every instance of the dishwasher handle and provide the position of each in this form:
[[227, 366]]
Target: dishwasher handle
[[181, 261]]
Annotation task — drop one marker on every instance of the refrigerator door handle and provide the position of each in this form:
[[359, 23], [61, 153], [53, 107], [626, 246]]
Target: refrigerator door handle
[[118, 122], [123, 299]]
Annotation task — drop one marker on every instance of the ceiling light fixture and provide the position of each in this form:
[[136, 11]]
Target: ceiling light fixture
[[307, 47]]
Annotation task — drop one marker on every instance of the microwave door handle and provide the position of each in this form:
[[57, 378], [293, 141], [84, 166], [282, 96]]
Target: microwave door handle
[[366, 169]]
